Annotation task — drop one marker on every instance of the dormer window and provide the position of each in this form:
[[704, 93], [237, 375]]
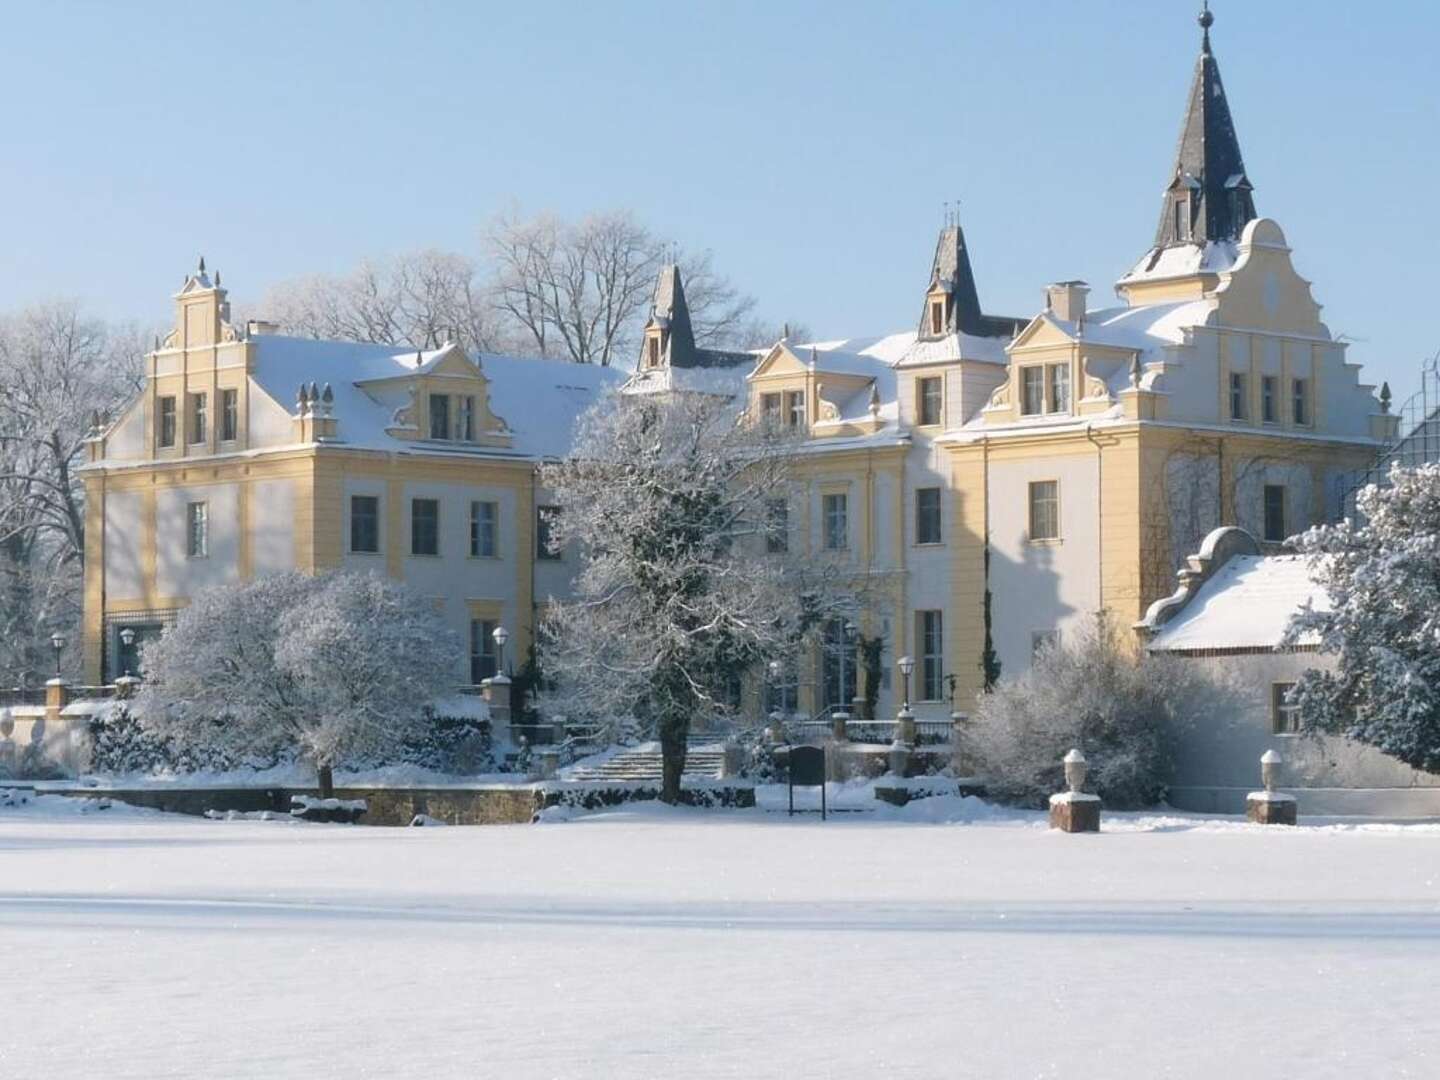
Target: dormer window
[[937, 316], [652, 356], [439, 416], [1182, 218]]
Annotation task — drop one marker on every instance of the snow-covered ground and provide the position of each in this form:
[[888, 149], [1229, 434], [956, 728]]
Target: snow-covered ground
[[946, 939]]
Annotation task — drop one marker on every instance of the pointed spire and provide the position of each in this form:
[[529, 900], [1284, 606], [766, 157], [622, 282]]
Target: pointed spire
[[951, 272], [202, 265], [671, 312], [1209, 195]]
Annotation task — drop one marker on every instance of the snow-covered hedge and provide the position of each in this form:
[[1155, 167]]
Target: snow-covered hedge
[[598, 796]]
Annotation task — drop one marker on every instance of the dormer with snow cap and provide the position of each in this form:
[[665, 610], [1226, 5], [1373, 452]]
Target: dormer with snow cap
[[952, 303], [1208, 198]]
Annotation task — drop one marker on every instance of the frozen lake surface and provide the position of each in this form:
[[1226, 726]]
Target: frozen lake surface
[[945, 940]]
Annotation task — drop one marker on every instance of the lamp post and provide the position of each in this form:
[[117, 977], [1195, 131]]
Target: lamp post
[[776, 731], [501, 636], [57, 642], [127, 638], [906, 665], [905, 721]]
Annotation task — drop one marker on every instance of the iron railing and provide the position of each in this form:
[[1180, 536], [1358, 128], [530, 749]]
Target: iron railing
[[1418, 442]]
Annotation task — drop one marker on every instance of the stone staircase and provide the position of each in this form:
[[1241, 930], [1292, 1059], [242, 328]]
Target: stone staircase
[[643, 765]]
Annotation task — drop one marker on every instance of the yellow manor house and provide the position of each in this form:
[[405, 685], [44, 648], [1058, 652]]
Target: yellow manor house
[[988, 478]]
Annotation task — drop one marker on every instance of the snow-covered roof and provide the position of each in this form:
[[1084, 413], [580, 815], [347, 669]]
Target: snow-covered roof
[[1183, 260], [539, 400], [1246, 604]]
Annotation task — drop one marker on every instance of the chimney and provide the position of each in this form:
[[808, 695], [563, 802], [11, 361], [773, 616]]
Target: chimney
[[1066, 300], [261, 326]]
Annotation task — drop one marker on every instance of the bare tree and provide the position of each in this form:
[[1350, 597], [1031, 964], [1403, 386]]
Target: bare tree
[[582, 290], [421, 298], [59, 371]]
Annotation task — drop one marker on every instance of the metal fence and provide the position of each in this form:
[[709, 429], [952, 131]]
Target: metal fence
[[1417, 444]]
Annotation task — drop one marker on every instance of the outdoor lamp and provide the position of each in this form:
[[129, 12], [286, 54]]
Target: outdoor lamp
[[775, 669], [907, 665], [57, 642], [501, 635], [127, 638]]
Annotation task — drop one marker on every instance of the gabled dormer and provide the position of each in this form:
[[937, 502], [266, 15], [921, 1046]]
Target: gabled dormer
[[441, 396]]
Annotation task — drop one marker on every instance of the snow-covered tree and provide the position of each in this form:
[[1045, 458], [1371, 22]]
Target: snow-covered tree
[[333, 668], [58, 369], [670, 498], [1122, 709], [1382, 573]]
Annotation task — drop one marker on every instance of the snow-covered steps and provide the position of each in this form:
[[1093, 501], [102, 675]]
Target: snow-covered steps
[[644, 763]]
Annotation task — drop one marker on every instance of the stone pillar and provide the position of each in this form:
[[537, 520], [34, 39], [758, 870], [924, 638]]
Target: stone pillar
[[496, 692], [905, 727], [57, 696], [732, 763], [549, 762], [1270, 807], [959, 735], [1074, 811], [775, 732], [126, 686], [839, 726], [857, 708]]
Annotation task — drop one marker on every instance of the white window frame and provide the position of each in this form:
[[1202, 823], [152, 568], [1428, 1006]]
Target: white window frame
[[1284, 719], [939, 537], [1031, 503], [923, 399], [931, 684]]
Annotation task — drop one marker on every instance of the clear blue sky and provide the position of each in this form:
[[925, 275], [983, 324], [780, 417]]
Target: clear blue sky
[[810, 146]]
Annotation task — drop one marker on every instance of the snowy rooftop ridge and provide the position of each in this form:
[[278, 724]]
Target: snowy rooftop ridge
[[1247, 603]]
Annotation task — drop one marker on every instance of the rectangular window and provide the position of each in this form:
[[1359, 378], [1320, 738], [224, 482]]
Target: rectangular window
[[482, 650], [838, 669], [439, 416], [1301, 399], [652, 351], [484, 525], [1058, 376], [795, 407], [167, 421], [544, 520], [1045, 510], [197, 530], [1237, 395], [928, 632], [927, 516], [424, 527], [937, 317], [929, 400], [1275, 512], [197, 417], [1182, 219], [365, 524], [770, 407], [835, 514], [467, 419], [229, 415], [1032, 391], [1284, 717], [777, 526], [1267, 398]]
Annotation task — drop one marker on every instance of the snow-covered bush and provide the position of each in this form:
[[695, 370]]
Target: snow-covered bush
[[1095, 692], [1383, 577], [121, 743], [327, 669]]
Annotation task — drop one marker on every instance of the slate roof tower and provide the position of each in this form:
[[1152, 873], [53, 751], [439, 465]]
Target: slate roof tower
[[1209, 196]]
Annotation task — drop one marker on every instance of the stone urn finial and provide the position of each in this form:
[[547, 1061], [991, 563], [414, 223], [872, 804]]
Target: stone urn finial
[[1075, 771], [1270, 763]]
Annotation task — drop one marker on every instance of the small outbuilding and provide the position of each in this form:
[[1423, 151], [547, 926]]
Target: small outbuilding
[[1231, 612]]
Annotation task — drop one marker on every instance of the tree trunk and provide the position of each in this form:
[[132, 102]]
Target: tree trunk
[[327, 781], [673, 731]]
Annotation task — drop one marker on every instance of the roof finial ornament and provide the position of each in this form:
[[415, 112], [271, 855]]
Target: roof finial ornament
[[202, 264], [1206, 20]]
